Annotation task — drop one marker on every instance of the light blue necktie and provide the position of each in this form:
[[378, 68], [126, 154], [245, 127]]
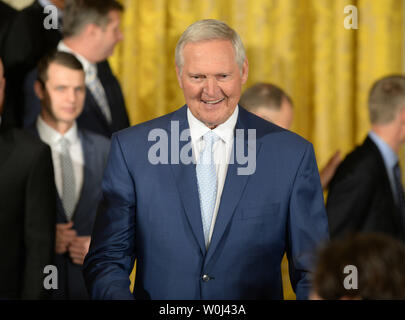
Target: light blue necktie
[[207, 182]]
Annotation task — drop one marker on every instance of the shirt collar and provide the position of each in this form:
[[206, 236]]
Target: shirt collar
[[389, 156], [225, 130], [87, 65], [52, 137]]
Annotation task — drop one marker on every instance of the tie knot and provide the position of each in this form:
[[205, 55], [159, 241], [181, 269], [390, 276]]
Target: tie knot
[[210, 137], [65, 143]]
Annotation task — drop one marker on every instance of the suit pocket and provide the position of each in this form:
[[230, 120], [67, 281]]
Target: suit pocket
[[257, 211]]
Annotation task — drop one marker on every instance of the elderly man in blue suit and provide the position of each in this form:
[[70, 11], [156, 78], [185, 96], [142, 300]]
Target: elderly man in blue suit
[[214, 224], [79, 158]]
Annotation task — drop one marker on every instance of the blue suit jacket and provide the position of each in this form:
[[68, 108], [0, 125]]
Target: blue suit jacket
[[91, 118], [71, 283], [153, 214]]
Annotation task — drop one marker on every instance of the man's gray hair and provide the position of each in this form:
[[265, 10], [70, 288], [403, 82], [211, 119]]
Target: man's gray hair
[[210, 29], [386, 99]]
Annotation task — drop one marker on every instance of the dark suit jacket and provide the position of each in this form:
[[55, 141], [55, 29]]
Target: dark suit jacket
[[360, 197], [26, 42], [91, 118], [95, 151], [153, 214], [7, 14], [27, 215]]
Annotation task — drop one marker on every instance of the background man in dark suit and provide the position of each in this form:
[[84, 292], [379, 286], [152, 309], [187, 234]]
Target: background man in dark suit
[[27, 212], [218, 229], [79, 157], [366, 192], [91, 29], [373, 263], [26, 42]]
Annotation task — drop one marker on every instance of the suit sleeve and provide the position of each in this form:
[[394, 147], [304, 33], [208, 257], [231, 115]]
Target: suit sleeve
[[350, 194], [111, 257], [39, 224], [307, 223]]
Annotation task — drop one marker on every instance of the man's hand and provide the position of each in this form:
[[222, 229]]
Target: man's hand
[[329, 170], [78, 249], [64, 236]]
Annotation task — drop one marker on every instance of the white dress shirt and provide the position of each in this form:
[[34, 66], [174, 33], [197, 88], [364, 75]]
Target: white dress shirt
[[222, 150], [52, 137]]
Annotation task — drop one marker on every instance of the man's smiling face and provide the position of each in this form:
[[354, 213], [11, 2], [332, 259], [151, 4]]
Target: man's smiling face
[[211, 80]]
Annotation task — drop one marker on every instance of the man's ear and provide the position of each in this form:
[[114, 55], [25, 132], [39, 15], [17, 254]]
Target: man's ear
[[39, 90], [178, 73], [245, 71]]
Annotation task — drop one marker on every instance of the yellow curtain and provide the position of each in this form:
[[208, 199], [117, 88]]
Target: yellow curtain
[[301, 45]]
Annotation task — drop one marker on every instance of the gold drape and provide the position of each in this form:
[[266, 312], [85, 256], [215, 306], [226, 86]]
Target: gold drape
[[301, 45]]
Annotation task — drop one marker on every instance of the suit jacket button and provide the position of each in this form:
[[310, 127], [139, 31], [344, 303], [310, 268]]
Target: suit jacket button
[[206, 278]]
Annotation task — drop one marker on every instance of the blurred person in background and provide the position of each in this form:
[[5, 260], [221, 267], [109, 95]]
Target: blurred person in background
[[91, 30], [271, 103], [79, 158], [27, 40], [366, 193], [27, 211], [362, 266]]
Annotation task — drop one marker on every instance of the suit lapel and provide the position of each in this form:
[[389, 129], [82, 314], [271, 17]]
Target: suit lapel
[[186, 180], [88, 154], [233, 187], [397, 214]]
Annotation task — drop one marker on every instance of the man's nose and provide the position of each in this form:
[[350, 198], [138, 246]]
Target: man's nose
[[211, 87], [71, 95]]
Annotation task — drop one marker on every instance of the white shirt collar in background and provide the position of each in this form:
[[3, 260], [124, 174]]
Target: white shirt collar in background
[[87, 65]]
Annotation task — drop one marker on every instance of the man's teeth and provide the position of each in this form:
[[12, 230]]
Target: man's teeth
[[213, 102]]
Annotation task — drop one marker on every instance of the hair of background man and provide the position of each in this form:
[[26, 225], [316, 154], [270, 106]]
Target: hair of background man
[[265, 95], [386, 99], [210, 29], [379, 260], [79, 13], [65, 59]]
